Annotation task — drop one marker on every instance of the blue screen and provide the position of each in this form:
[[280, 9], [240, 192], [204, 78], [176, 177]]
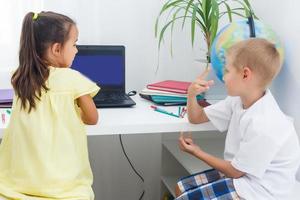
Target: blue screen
[[102, 69]]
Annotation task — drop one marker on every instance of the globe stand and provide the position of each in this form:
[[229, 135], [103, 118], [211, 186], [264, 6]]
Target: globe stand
[[217, 91]]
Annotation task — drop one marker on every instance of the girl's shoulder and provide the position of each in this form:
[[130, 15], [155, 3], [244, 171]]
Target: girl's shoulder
[[70, 81], [63, 78], [67, 73]]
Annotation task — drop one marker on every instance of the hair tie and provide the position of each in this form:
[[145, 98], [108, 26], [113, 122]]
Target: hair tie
[[35, 16]]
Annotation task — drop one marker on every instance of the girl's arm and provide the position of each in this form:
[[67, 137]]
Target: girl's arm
[[89, 113]]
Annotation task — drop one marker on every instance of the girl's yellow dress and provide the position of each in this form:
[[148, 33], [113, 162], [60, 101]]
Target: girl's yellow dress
[[43, 154]]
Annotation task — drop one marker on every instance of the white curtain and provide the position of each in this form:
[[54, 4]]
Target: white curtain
[[11, 17]]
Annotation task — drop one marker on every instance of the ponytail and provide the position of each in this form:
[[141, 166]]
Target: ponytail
[[38, 33]]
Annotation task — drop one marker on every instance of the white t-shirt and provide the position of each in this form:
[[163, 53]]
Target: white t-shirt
[[262, 142]]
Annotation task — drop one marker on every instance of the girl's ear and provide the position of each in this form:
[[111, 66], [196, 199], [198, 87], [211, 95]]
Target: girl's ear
[[56, 49], [247, 73]]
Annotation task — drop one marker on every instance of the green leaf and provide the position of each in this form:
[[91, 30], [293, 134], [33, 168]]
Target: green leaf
[[166, 6], [169, 5], [204, 11], [244, 5], [200, 19], [156, 27], [172, 27], [200, 23], [248, 4], [208, 6], [200, 12], [221, 2], [164, 29], [204, 14], [214, 24], [238, 14], [193, 22], [228, 11], [189, 3]]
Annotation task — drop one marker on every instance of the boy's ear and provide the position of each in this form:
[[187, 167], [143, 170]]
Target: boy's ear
[[56, 49], [247, 73]]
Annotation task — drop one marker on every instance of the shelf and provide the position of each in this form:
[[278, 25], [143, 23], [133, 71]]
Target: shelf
[[170, 183], [214, 146], [177, 164]]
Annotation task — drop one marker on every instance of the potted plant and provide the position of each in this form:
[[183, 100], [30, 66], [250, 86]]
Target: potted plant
[[204, 14]]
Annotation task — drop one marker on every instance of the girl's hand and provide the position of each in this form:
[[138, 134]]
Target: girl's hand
[[186, 144], [200, 84]]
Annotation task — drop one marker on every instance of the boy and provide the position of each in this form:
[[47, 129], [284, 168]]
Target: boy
[[261, 153]]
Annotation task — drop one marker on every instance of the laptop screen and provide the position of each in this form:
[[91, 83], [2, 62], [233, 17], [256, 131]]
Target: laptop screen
[[104, 65]]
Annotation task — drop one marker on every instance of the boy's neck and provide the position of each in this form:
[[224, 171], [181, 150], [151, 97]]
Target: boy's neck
[[251, 97]]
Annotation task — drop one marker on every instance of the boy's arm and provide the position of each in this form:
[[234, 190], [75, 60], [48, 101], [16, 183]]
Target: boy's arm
[[187, 145], [196, 114], [221, 165]]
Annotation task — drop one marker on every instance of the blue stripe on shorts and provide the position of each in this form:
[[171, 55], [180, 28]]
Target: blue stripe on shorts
[[207, 185]]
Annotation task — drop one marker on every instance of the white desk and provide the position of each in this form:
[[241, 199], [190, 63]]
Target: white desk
[[140, 119]]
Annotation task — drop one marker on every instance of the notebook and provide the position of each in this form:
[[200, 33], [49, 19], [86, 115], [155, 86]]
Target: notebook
[[6, 98], [172, 102], [180, 87], [6, 95], [105, 65]]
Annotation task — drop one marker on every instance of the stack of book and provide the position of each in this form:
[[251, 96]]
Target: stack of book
[[6, 98], [168, 93]]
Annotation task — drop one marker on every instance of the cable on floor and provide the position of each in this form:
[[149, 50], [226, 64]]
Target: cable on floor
[[132, 167]]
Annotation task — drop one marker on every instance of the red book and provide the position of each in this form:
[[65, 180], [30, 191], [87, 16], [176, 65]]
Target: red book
[[170, 86]]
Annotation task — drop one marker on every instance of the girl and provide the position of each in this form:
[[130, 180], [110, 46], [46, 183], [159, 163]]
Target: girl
[[43, 154]]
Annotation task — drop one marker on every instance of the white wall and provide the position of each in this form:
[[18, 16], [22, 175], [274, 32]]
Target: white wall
[[131, 23], [11, 16]]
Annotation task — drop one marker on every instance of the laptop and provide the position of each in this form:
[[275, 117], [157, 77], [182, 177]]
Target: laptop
[[105, 65]]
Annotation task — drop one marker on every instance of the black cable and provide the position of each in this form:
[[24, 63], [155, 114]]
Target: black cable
[[131, 93], [132, 167]]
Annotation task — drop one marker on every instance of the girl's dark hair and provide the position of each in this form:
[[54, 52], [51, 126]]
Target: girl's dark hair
[[38, 33]]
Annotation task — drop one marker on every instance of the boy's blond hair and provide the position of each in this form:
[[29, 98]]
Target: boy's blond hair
[[260, 55]]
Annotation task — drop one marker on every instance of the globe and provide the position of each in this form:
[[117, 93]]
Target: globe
[[235, 32]]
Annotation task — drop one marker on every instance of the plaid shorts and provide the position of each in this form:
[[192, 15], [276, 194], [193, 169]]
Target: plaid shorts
[[207, 185]]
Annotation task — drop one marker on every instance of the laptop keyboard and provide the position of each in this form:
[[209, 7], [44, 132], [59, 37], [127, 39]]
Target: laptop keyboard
[[111, 96]]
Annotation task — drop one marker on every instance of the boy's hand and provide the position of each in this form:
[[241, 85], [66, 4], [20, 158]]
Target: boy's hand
[[186, 144], [200, 84]]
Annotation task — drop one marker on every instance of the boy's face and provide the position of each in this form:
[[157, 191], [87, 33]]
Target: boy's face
[[233, 78]]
